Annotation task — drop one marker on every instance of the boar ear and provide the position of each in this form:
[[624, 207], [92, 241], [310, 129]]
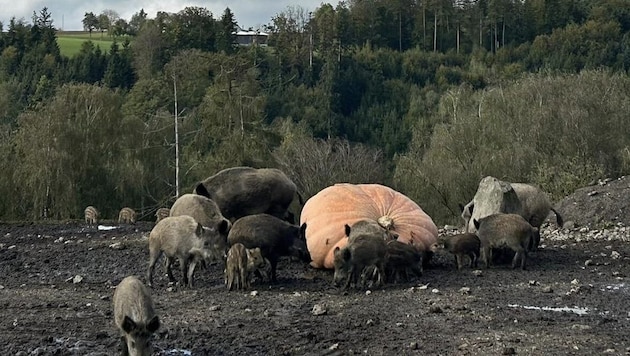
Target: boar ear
[[128, 325], [224, 226], [153, 324], [347, 227], [201, 190], [476, 223]]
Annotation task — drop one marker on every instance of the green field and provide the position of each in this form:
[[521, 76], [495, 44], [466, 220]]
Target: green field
[[70, 42]]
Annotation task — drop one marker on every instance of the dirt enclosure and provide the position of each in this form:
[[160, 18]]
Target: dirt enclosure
[[57, 279]]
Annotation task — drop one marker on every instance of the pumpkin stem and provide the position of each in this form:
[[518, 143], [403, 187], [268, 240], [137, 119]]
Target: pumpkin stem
[[386, 222]]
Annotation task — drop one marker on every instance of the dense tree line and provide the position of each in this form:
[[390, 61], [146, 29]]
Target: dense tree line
[[425, 96]]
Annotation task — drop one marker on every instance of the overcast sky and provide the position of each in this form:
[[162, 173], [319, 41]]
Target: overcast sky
[[68, 14]]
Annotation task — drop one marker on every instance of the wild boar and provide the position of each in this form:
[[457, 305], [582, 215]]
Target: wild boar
[[462, 246], [536, 206], [206, 212], [242, 191], [91, 216], [135, 317], [364, 249], [240, 264], [504, 230], [400, 259], [127, 216], [496, 196], [275, 238], [183, 238], [162, 213]]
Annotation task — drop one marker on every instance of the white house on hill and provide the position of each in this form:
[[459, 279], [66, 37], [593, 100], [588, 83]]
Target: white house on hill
[[249, 38]]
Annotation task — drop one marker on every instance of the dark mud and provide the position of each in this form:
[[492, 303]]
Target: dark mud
[[57, 280]]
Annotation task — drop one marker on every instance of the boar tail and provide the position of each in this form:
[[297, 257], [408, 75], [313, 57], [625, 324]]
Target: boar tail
[[558, 217]]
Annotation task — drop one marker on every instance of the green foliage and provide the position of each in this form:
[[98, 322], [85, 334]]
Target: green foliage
[[68, 149], [519, 132], [562, 177], [437, 93], [227, 129]]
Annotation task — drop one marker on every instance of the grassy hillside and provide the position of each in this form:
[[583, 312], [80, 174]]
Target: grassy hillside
[[70, 41]]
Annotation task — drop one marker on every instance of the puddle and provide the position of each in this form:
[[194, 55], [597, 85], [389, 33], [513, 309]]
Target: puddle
[[575, 310], [106, 228], [176, 352]]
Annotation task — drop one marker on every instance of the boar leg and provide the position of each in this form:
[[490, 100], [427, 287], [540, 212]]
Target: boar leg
[[229, 278], [244, 280], [416, 268], [153, 257], [486, 254], [458, 261], [473, 259], [168, 264], [350, 277], [191, 271], [183, 267], [274, 264], [522, 254]]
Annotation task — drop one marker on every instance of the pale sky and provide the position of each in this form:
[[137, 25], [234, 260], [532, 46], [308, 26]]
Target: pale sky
[[68, 14]]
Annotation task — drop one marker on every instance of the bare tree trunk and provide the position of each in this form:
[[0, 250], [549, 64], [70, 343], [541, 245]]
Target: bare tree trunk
[[435, 33], [458, 38], [480, 31], [242, 119], [496, 37], [176, 139], [424, 25]]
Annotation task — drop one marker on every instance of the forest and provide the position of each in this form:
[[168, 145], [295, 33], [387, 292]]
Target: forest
[[424, 96]]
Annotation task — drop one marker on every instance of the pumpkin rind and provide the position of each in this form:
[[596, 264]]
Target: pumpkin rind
[[327, 212]]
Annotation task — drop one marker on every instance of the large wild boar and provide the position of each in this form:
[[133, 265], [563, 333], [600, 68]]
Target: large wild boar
[[240, 264], [127, 216], [183, 238], [535, 208], [241, 191], [496, 196], [162, 213], [91, 216], [206, 212], [400, 259], [365, 248], [466, 245], [274, 236], [504, 230], [135, 317]]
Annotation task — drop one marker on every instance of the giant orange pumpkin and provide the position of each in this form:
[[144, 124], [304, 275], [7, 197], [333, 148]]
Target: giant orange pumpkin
[[327, 212]]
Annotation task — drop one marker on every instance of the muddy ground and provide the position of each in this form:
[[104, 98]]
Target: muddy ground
[[57, 279]]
